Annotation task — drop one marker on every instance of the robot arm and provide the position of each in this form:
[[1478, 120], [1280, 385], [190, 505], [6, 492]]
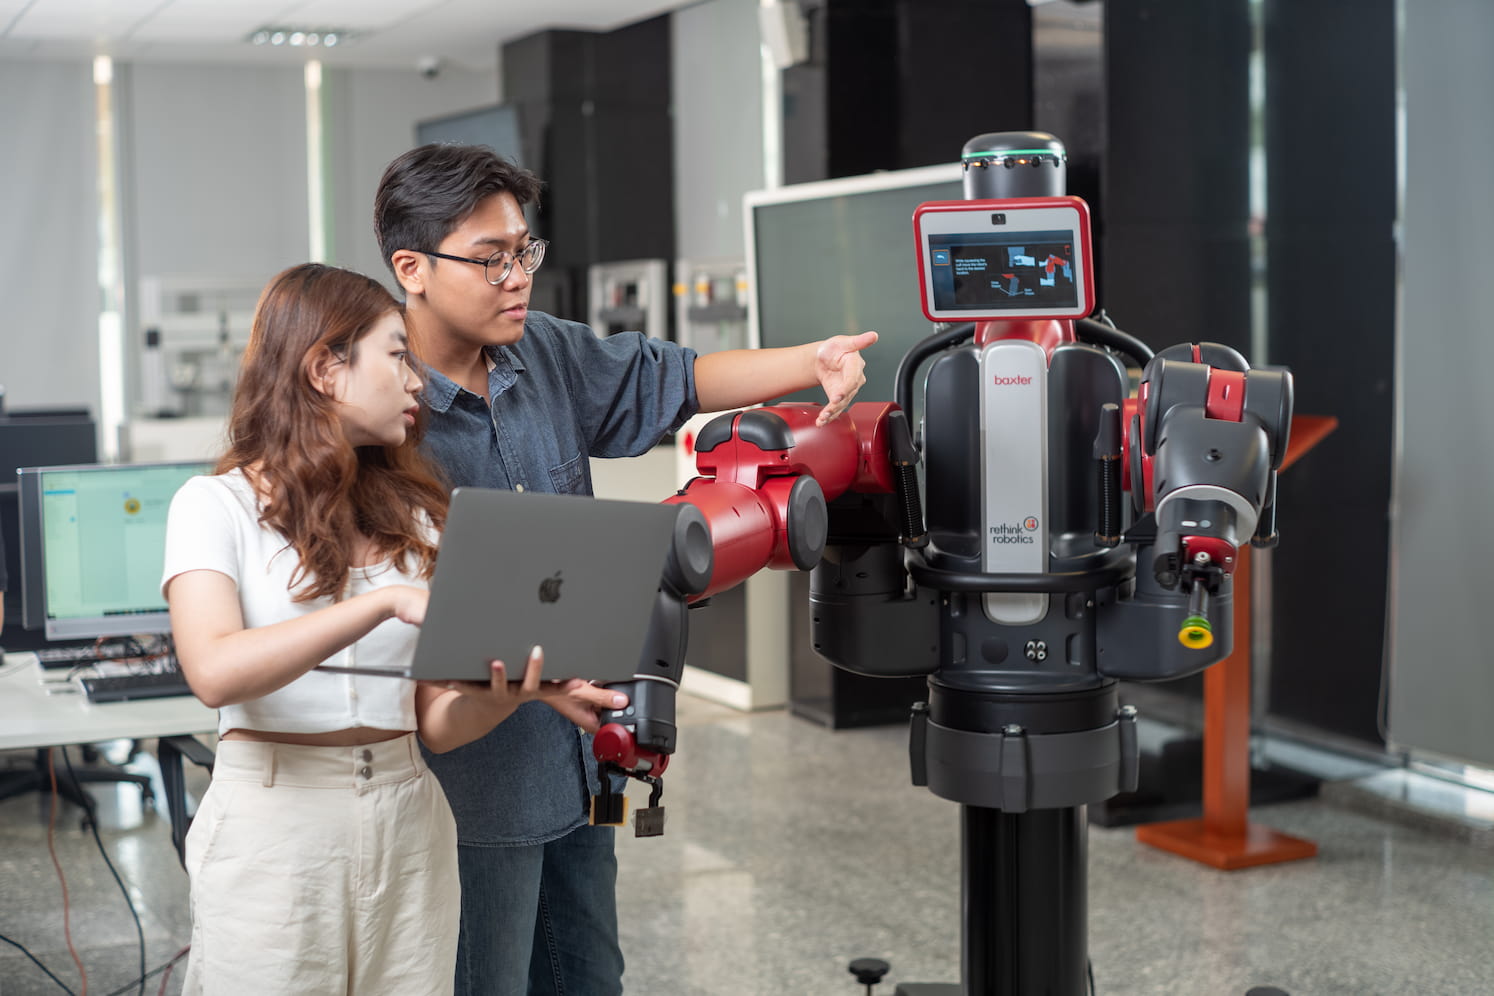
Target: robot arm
[[762, 500], [1206, 437]]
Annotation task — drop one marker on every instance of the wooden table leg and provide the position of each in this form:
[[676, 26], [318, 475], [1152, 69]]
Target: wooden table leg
[[1224, 837]]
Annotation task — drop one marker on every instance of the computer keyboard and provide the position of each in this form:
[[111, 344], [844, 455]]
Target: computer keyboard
[[130, 687], [82, 653]]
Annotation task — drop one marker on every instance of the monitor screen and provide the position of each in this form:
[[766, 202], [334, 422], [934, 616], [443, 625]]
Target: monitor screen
[[971, 271], [838, 256], [30, 439], [94, 544]]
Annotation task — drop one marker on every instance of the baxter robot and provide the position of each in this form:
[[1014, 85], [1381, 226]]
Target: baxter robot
[[1076, 533]]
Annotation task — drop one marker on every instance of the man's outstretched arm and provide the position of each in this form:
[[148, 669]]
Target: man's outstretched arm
[[739, 377]]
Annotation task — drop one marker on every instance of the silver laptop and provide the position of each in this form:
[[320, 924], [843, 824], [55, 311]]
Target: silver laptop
[[577, 576]]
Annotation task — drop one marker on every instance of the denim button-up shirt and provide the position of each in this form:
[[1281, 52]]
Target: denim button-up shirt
[[559, 396]]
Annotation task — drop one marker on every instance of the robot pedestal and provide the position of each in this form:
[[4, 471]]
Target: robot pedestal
[[1025, 903], [1023, 767]]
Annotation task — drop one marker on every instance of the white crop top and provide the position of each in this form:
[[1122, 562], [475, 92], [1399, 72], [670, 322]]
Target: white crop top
[[214, 525]]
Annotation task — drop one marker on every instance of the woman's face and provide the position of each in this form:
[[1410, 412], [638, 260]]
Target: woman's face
[[375, 387]]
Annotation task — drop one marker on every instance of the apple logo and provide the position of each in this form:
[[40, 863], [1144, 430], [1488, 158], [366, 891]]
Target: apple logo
[[549, 590]]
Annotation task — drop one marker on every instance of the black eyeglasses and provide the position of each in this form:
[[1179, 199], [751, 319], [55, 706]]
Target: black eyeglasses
[[498, 266]]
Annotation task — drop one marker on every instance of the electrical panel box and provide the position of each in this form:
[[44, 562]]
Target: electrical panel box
[[711, 304], [629, 296]]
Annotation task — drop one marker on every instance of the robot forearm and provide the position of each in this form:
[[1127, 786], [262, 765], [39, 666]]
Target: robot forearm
[[1208, 435], [761, 501]]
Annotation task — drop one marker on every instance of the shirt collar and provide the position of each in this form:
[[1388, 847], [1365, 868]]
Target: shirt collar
[[440, 390]]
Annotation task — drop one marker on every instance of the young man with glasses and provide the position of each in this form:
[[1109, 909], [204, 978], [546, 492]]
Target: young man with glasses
[[521, 400]]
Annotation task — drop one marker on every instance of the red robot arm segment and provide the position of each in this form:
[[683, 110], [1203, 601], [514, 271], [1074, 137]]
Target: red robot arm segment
[[766, 476]]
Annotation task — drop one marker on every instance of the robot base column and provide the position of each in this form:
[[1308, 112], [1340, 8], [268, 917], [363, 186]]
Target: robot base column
[[1025, 905], [1023, 777]]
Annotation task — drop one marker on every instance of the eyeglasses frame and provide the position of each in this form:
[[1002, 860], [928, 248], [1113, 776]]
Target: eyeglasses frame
[[508, 266]]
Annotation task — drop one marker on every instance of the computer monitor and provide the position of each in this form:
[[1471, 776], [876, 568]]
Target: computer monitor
[[28, 438], [31, 439], [839, 256], [93, 544]]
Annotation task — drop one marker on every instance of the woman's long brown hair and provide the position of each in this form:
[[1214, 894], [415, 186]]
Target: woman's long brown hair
[[315, 488]]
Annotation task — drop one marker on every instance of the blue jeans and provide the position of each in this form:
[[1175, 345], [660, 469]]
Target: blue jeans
[[540, 919]]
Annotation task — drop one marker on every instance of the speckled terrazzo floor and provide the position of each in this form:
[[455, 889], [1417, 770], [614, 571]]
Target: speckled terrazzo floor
[[792, 849]]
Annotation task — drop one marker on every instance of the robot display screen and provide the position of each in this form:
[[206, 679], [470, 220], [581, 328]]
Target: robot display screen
[[981, 273], [985, 260], [103, 535]]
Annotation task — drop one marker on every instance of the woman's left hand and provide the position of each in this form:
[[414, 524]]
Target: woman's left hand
[[576, 700]]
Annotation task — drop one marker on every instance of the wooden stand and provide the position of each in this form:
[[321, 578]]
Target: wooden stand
[[1224, 837]]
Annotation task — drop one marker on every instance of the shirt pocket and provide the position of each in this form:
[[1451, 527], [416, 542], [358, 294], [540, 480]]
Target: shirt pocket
[[569, 478]]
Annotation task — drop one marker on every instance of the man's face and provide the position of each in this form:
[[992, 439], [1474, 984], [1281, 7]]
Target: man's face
[[458, 304]]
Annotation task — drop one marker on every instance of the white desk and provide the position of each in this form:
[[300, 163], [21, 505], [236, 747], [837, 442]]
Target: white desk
[[33, 716]]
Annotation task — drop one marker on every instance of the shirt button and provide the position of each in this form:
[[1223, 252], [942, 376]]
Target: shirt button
[[368, 755], [519, 488], [366, 771]]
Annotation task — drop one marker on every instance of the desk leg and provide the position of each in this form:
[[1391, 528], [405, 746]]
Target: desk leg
[[170, 751]]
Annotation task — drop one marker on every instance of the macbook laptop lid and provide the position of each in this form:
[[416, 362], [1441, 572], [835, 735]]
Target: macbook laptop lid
[[575, 575]]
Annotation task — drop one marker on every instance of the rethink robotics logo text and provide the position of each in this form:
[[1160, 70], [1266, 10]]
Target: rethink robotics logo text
[[1008, 533]]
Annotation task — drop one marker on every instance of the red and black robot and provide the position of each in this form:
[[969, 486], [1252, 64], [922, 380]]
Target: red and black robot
[[1031, 584]]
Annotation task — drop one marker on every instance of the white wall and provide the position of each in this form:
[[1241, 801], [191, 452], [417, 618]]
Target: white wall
[[369, 117], [718, 135], [49, 222], [213, 177], [212, 184], [217, 169], [1442, 669]]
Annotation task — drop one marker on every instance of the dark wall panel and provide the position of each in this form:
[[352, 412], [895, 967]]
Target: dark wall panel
[[1176, 170], [964, 68], [893, 84], [1068, 93], [1331, 147], [594, 111]]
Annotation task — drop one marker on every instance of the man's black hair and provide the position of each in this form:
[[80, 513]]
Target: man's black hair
[[430, 190]]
